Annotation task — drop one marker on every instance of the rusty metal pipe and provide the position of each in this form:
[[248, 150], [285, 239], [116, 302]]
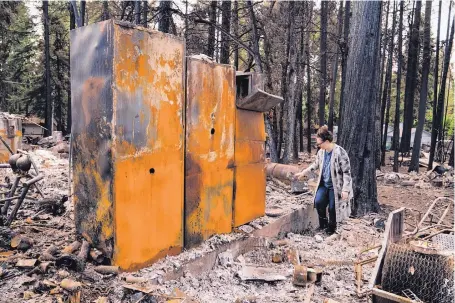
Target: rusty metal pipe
[[281, 171], [5, 207], [24, 192]]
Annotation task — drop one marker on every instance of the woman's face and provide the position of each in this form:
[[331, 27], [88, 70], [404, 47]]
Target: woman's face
[[321, 144]]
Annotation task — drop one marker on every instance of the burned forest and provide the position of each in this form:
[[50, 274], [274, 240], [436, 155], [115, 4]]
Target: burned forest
[[227, 151]]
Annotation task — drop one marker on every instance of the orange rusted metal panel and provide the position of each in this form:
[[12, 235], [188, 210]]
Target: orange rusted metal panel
[[249, 194], [249, 125], [128, 140], [249, 152], [149, 141], [11, 132], [249, 201], [209, 156]]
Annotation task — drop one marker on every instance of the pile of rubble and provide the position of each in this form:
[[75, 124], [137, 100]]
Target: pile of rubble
[[440, 176], [58, 144]]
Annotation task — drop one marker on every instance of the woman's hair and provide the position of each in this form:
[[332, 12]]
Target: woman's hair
[[325, 134]]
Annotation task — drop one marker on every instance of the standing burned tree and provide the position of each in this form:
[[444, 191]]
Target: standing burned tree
[[360, 97]]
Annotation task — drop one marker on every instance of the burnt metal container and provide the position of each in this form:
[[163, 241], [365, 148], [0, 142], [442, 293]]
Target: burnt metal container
[[127, 86]]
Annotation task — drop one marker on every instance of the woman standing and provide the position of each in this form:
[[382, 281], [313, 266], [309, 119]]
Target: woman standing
[[334, 189]]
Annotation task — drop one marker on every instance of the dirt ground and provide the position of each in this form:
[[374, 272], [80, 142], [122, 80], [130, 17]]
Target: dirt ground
[[334, 255]]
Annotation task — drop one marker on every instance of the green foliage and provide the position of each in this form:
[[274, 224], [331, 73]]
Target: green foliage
[[19, 61]]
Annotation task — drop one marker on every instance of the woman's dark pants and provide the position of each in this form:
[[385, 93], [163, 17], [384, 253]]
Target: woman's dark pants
[[325, 197]]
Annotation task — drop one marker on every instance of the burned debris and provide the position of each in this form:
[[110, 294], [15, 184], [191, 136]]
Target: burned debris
[[173, 200]]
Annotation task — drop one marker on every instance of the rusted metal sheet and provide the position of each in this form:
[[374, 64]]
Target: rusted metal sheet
[[249, 125], [249, 190], [11, 133], [249, 152], [209, 156], [259, 101], [91, 106], [249, 199], [251, 94], [149, 144], [127, 102]]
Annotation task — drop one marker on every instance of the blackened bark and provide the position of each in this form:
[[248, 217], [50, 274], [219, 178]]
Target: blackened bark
[[441, 125], [439, 112], [236, 33], [308, 86], [164, 24], [145, 11], [414, 166], [335, 68], [344, 57], [226, 26], [323, 62], [137, 12], [361, 93], [396, 124], [68, 110], [435, 75], [298, 144], [106, 14], [211, 38], [83, 3], [384, 47], [411, 80], [292, 76], [387, 92], [49, 105], [59, 112], [451, 155], [383, 88]]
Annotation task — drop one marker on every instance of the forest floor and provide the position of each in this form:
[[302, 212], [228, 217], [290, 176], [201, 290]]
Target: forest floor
[[47, 282]]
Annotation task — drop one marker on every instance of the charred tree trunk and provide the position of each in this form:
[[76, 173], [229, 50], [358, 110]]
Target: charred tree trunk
[[451, 154], [106, 14], [323, 63], [68, 110], [434, 134], [236, 34], [211, 38], [283, 134], [298, 144], [257, 58], [59, 87], [387, 92], [441, 125], [83, 3], [363, 72], [411, 79], [292, 79], [384, 48], [436, 69], [226, 25], [164, 24], [382, 88], [335, 68], [414, 166], [137, 12], [396, 124], [308, 89], [49, 105], [145, 11], [344, 57]]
